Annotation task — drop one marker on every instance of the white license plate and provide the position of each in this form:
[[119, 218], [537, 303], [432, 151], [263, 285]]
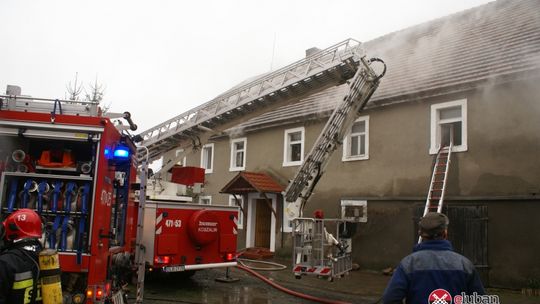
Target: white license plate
[[174, 268]]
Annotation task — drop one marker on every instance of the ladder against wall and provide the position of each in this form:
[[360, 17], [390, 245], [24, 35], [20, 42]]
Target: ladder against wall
[[328, 67], [438, 183]]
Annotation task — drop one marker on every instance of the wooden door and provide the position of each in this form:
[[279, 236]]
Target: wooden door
[[263, 222], [468, 232]]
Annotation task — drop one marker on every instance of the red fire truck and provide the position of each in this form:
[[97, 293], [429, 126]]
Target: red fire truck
[[77, 169], [182, 236], [74, 167]]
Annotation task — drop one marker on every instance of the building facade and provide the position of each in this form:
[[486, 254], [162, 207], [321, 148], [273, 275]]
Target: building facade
[[472, 77]]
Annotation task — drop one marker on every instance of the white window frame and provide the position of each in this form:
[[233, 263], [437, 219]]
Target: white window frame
[[347, 142], [203, 164], [184, 159], [287, 222], [233, 166], [232, 202], [347, 204], [435, 136], [286, 147], [205, 197]]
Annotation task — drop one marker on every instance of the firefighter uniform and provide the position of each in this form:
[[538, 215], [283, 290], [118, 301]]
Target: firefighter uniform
[[18, 273]]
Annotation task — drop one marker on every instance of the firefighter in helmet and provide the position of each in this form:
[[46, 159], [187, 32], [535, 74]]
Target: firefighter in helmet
[[19, 267]]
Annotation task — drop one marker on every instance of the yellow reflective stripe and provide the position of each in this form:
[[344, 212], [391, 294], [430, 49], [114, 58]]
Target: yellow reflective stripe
[[23, 284]]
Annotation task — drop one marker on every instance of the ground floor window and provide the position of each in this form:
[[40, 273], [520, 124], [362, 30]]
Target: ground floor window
[[232, 202], [205, 200]]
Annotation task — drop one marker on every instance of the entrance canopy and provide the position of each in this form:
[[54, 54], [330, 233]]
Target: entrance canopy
[[246, 182]]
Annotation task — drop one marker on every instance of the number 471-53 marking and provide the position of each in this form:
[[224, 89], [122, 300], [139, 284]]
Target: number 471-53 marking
[[173, 223]]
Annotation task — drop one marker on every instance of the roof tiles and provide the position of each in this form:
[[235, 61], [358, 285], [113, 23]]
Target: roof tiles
[[252, 182], [498, 40]]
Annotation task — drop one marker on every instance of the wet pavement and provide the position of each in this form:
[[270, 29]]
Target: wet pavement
[[203, 288], [362, 287]]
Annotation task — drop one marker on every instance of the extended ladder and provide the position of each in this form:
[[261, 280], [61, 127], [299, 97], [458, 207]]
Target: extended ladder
[[329, 67], [363, 85], [439, 179]]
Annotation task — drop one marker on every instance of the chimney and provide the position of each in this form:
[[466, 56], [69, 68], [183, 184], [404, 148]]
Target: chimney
[[311, 51], [13, 90]]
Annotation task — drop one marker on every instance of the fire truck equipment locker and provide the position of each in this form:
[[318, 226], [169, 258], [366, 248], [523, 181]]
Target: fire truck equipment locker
[[74, 167], [181, 236]]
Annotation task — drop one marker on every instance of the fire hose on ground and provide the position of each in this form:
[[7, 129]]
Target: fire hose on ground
[[251, 270]]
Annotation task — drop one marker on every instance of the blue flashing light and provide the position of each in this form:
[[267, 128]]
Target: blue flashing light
[[107, 153], [121, 152]]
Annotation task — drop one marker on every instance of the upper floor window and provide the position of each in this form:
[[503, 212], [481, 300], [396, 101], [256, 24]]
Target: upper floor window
[[180, 161], [293, 148], [356, 142], [238, 154], [207, 158], [449, 124], [232, 202]]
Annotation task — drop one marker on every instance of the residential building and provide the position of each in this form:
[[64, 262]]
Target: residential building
[[471, 76]]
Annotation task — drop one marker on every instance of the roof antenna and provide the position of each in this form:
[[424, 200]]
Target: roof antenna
[[273, 52]]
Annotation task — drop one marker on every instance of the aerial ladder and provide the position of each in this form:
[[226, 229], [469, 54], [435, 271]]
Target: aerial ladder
[[315, 250], [329, 67], [189, 130], [362, 86]]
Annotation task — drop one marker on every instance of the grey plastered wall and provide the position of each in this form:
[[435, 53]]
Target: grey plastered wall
[[502, 161], [514, 244], [512, 250]]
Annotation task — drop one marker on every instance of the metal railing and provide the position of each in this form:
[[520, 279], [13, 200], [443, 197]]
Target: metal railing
[[48, 105]]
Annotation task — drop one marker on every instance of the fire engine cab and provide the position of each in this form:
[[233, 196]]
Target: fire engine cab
[[72, 165]]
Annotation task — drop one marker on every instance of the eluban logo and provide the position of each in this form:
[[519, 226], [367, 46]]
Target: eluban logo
[[440, 296]]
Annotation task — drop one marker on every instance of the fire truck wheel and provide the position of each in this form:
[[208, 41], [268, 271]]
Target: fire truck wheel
[[203, 227]]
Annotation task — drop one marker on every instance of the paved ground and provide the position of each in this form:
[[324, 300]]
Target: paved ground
[[361, 287]]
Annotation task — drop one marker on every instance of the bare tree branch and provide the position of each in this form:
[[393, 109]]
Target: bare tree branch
[[75, 89], [93, 92]]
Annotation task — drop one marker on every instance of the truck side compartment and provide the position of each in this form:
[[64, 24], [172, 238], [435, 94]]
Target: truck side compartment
[[183, 236]]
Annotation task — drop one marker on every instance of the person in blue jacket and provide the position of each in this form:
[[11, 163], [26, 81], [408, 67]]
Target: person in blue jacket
[[433, 271]]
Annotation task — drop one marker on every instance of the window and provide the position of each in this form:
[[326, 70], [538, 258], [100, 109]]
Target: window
[[207, 158], [238, 154], [287, 223], [182, 161], [354, 210], [293, 150], [356, 143], [205, 200], [449, 122], [232, 202]]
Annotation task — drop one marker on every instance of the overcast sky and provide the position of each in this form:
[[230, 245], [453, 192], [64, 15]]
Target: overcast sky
[[160, 58]]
